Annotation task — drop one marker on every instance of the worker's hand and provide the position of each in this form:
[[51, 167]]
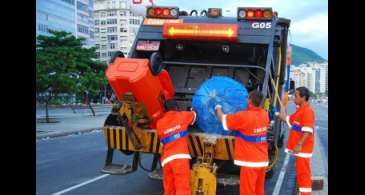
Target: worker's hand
[[281, 115], [297, 148]]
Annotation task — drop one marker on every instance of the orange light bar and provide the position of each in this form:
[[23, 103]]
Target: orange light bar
[[201, 31]]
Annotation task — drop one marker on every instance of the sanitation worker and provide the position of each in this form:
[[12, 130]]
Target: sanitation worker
[[301, 138], [172, 130], [251, 148]]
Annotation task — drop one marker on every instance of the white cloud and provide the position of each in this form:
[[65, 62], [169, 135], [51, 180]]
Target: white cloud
[[314, 27], [312, 32]]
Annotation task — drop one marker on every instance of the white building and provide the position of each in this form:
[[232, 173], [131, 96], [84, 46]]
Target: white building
[[73, 16], [84, 21], [325, 65], [322, 76], [115, 27], [297, 75], [310, 78], [313, 76]]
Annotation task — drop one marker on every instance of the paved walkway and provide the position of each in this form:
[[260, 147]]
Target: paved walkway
[[68, 122]]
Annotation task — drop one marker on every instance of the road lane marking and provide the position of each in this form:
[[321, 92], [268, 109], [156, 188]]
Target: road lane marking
[[281, 176], [81, 184]]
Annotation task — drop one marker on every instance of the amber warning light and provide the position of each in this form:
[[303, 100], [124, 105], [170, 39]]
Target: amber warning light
[[209, 32]]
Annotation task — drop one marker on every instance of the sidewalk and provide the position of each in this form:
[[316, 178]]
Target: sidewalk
[[77, 106], [69, 125], [66, 111]]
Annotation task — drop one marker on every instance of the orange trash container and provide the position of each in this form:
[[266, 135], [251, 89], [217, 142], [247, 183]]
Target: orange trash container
[[134, 75]]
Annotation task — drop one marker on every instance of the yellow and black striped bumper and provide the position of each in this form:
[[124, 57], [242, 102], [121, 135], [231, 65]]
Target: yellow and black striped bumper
[[117, 138]]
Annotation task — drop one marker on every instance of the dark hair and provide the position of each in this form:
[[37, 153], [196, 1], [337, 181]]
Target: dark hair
[[256, 97], [303, 92]]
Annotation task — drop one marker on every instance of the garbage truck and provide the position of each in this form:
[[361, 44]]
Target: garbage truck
[[173, 53]]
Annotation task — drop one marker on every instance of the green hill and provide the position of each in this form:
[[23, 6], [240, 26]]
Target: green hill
[[301, 55]]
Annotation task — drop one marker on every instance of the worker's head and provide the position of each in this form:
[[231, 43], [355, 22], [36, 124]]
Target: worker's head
[[254, 98], [301, 95]]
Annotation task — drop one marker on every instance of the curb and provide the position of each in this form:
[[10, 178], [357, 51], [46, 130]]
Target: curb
[[65, 133]]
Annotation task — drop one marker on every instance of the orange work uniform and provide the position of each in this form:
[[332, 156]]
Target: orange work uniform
[[299, 122], [175, 158], [251, 148]]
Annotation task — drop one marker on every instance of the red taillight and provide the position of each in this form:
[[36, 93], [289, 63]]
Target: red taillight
[[250, 14], [166, 12], [158, 11], [258, 14], [162, 12]]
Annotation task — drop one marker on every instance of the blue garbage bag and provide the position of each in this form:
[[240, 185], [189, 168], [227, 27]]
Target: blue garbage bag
[[222, 90]]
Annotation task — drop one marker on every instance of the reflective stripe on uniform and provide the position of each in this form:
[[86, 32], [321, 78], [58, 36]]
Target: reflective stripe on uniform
[[300, 154], [174, 136], [251, 164], [194, 118], [175, 156], [305, 189], [224, 122], [307, 129], [254, 139], [296, 128]]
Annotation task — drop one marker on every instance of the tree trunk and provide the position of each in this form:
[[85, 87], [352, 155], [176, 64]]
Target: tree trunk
[[72, 108], [47, 116], [89, 104], [91, 108]]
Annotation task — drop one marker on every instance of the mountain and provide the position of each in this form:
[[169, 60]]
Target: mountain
[[301, 55]]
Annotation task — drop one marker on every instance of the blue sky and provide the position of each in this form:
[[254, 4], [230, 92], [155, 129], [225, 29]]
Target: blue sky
[[309, 18]]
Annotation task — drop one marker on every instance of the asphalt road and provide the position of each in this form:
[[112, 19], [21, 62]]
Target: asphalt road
[[321, 114], [68, 161]]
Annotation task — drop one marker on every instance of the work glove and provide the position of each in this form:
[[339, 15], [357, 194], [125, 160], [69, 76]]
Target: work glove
[[217, 106], [216, 103]]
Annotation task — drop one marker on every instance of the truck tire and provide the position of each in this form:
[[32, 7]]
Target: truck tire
[[156, 65]]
